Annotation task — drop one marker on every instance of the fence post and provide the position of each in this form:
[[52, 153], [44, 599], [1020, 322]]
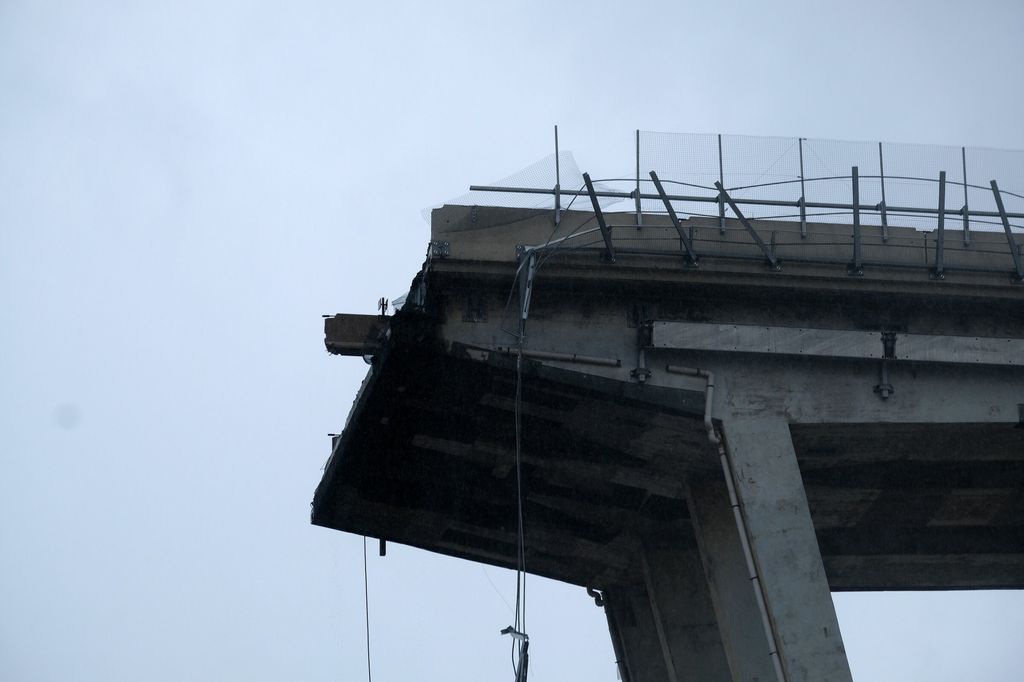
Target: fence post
[[558, 183], [881, 206], [639, 211], [721, 180], [967, 217], [857, 266], [940, 235], [803, 194]]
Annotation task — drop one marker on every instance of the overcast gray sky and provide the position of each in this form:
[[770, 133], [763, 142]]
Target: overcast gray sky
[[186, 187]]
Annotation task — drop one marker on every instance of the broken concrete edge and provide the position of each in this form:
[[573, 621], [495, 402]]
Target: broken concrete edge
[[412, 338]]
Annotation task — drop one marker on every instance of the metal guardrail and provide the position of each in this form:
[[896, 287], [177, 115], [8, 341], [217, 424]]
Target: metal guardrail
[[856, 210]]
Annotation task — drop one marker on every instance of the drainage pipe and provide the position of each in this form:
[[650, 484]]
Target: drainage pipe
[[709, 395], [737, 512], [561, 357]]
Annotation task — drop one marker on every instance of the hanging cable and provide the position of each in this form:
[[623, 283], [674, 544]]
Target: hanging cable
[[366, 605], [519, 665]]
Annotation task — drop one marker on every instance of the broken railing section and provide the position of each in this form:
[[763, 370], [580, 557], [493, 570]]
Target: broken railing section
[[724, 196]]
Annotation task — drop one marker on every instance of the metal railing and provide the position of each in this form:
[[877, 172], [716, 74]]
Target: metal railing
[[833, 198]]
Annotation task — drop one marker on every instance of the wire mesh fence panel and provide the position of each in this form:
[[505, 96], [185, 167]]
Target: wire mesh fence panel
[[687, 164], [540, 175], [912, 180], [1004, 166], [828, 167], [897, 184], [765, 168]]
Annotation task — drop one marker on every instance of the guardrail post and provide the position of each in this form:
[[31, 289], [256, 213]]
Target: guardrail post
[[857, 266], [639, 210], [940, 235], [721, 180], [558, 183], [881, 204], [966, 212], [803, 194]]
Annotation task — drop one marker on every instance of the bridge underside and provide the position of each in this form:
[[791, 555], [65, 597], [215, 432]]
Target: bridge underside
[[713, 447], [428, 460]]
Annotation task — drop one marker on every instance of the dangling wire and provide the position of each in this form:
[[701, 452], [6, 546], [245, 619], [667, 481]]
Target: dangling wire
[[530, 262], [366, 604], [520, 611], [520, 640]]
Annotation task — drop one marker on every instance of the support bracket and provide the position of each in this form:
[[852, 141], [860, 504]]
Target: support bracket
[[599, 215], [884, 388], [1009, 234], [438, 249], [527, 270], [684, 239], [769, 256]]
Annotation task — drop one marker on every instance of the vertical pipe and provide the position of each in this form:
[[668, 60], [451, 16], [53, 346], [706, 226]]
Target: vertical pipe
[[748, 555], [721, 179], [558, 183], [881, 175], [857, 265], [967, 218], [940, 235], [621, 658], [737, 513], [639, 212], [803, 194], [366, 603]]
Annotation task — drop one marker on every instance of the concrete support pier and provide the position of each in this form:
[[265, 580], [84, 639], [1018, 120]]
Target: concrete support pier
[[788, 562], [688, 629]]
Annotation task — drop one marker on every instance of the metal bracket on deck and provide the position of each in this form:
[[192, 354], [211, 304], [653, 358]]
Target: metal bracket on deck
[[438, 249], [769, 256], [527, 270], [1014, 249], [884, 388], [684, 238], [605, 232]]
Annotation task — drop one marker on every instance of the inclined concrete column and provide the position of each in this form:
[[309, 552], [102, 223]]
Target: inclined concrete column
[[629, 607], [746, 646], [788, 561], [684, 616]]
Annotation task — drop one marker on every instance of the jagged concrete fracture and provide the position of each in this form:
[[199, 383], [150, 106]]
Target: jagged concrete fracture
[[714, 446]]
